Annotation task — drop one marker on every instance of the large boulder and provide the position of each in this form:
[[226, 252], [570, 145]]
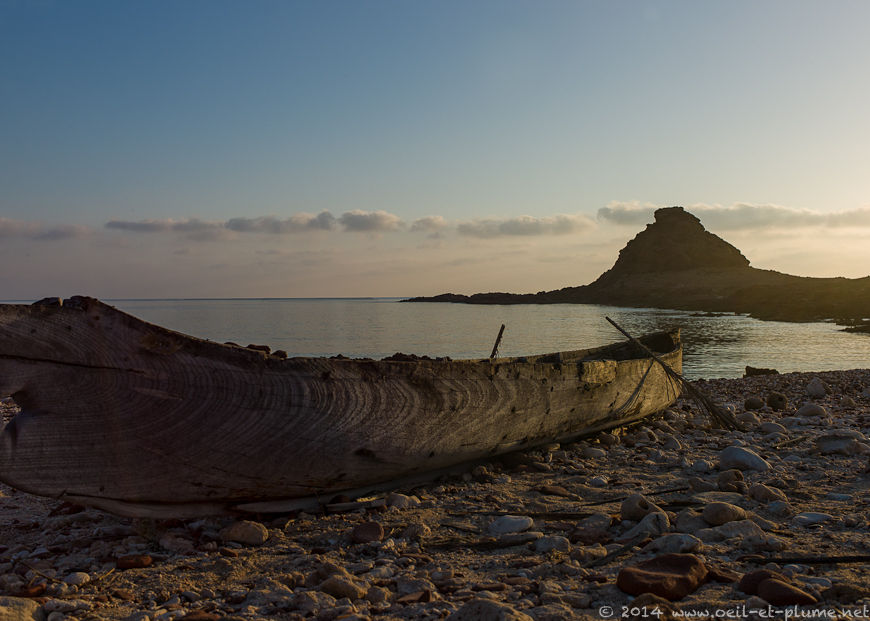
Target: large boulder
[[672, 576]]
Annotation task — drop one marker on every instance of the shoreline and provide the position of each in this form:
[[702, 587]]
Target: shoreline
[[435, 550]]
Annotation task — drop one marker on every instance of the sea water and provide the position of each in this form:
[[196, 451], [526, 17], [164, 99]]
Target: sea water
[[715, 345]]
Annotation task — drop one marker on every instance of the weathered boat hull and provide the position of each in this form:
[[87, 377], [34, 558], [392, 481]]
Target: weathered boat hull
[[129, 416]]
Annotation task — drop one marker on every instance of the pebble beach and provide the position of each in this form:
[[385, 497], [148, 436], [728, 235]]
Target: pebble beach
[[667, 518]]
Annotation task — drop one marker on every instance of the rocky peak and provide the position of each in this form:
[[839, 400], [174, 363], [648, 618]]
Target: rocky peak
[[676, 241]]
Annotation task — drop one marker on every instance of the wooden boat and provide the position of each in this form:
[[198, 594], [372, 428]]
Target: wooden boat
[[139, 420]]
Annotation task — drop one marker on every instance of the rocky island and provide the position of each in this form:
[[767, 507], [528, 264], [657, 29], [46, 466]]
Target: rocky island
[[676, 263]]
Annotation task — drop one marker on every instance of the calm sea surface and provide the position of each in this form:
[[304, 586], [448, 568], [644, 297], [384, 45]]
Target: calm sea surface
[[376, 327]]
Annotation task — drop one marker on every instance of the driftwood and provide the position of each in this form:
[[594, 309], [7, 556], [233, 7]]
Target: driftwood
[[815, 560], [607, 501], [130, 417]]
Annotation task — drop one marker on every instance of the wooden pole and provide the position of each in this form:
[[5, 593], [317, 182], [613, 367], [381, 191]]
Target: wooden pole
[[497, 342]]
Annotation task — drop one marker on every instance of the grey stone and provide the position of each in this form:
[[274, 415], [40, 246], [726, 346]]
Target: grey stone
[[78, 578], [811, 409], [770, 427], [677, 543], [689, 521], [652, 525], [750, 418], [780, 508], [840, 444], [339, 587], [407, 585], [763, 543], [764, 493], [402, 501], [816, 388], [718, 513], [312, 601], [742, 459], [753, 403], [488, 610], [510, 524], [808, 518], [731, 481], [552, 542], [702, 466], [590, 452], [246, 532], [636, 507], [739, 528]]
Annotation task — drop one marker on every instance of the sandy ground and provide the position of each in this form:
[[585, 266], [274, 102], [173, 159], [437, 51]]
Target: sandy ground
[[541, 535]]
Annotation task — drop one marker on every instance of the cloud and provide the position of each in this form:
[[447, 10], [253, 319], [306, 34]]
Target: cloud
[[369, 221], [187, 225], [629, 213], [143, 226], [63, 231], [41, 232], [741, 216], [193, 228], [18, 228], [429, 224], [299, 223], [526, 226]]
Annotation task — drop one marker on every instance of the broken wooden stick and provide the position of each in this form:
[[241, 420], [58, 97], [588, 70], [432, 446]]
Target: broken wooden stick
[[596, 503], [497, 342]]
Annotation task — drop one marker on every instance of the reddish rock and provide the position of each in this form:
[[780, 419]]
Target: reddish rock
[[30, 591], [779, 593], [134, 561], [200, 615], [123, 594], [749, 582], [367, 532], [722, 574], [672, 576]]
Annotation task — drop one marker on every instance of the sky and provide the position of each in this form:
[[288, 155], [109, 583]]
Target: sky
[[392, 148]]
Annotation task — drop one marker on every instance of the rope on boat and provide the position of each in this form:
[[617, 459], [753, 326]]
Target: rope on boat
[[713, 410], [622, 409]]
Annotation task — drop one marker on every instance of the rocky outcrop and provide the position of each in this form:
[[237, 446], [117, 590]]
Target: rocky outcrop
[[676, 263], [675, 242]]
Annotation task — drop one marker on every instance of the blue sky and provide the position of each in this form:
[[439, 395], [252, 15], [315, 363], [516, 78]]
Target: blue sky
[[455, 145]]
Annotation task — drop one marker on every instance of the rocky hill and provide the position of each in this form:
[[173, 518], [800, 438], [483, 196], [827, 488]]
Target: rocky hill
[[676, 263]]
